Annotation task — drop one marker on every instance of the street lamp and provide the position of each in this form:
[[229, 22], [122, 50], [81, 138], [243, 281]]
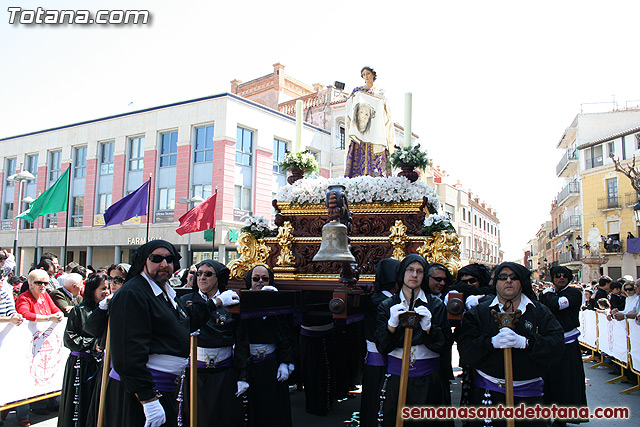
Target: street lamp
[[19, 178], [191, 202], [28, 200]]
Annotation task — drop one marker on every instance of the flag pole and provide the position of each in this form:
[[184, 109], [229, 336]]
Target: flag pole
[[66, 223], [148, 208], [213, 239]]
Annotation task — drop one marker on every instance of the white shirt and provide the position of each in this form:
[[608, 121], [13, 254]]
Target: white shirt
[[169, 295], [524, 300]]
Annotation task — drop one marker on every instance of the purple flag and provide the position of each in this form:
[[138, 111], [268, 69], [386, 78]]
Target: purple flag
[[134, 204]]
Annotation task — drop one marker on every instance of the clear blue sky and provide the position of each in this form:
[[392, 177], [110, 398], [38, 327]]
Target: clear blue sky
[[494, 83]]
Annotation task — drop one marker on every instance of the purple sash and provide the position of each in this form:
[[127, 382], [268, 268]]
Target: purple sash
[[262, 357], [81, 354], [314, 334], [373, 358], [532, 389], [571, 338], [226, 363], [419, 368], [164, 381]]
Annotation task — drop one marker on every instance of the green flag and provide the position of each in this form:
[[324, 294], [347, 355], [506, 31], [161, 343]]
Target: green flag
[[55, 199]]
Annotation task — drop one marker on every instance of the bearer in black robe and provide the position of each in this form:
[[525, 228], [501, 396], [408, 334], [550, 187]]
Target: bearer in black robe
[[429, 340], [271, 359], [223, 351], [564, 383], [375, 365], [80, 373], [150, 341], [536, 341]]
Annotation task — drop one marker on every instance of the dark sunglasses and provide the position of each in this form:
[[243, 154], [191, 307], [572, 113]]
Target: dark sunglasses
[[192, 272], [258, 279], [41, 283], [157, 259], [205, 273], [507, 276], [439, 279], [560, 276], [117, 280], [628, 289], [470, 281]]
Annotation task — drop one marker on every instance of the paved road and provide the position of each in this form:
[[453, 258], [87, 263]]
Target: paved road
[[599, 394]]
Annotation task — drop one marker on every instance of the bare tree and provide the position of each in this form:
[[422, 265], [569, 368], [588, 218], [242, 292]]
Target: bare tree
[[630, 170]]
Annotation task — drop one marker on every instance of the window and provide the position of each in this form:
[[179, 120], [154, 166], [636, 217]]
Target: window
[[136, 153], [204, 145], [77, 209], [54, 166], [168, 149], [341, 138], [610, 148], [104, 201], [32, 164], [106, 158], [244, 172], [612, 192], [7, 210], [80, 162], [279, 148], [451, 212], [244, 148], [637, 135], [593, 157], [167, 197], [10, 169], [202, 190]]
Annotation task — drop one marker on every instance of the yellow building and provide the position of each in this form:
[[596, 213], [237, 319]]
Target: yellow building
[[608, 200]]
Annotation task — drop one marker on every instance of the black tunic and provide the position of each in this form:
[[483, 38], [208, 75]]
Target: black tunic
[[269, 403], [537, 324], [372, 376], [80, 370], [217, 402], [96, 326], [565, 382], [421, 391], [142, 324]]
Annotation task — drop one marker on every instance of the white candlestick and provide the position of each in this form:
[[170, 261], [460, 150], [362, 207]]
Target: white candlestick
[[407, 120], [299, 108]]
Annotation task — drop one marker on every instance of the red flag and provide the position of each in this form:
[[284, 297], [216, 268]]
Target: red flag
[[201, 217]]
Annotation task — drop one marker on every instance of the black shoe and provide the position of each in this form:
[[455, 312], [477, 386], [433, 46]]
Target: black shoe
[[40, 411]]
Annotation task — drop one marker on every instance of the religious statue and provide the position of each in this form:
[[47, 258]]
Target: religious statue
[[593, 238], [369, 130]]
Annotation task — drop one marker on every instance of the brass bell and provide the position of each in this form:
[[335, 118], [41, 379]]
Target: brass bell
[[335, 244]]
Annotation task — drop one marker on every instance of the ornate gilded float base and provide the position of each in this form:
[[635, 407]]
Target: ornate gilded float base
[[443, 248], [252, 252]]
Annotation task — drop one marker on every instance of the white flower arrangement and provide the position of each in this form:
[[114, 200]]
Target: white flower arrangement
[[435, 223], [257, 226], [301, 160], [361, 189]]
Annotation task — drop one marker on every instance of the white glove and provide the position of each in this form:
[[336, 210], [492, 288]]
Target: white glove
[[269, 288], [507, 338], [104, 304], [154, 414], [395, 312], [228, 298], [425, 321], [283, 372], [472, 301], [549, 289], [243, 386], [514, 340], [291, 368]]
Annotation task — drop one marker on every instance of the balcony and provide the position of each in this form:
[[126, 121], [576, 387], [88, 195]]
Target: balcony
[[568, 258], [567, 163], [571, 223], [609, 203], [570, 190], [631, 199]]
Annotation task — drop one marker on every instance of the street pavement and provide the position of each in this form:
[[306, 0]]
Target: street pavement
[[344, 413]]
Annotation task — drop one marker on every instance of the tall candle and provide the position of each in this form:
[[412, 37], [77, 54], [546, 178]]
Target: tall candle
[[299, 108], [407, 120]]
